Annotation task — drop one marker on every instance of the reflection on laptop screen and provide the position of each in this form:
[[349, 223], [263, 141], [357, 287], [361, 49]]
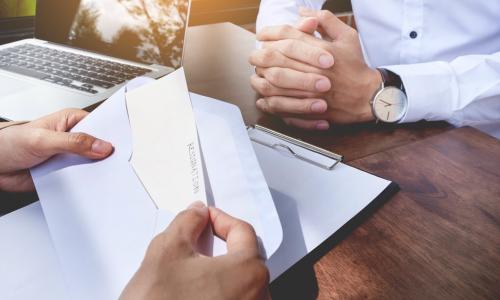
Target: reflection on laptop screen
[[146, 31]]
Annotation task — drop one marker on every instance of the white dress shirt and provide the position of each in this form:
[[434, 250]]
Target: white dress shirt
[[446, 52]]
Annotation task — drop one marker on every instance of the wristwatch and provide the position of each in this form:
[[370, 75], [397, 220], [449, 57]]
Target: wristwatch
[[390, 103]]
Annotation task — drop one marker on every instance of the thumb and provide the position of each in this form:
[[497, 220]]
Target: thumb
[[329, 24], [308, 25], [53, 142], [239, 235], [186, 228]]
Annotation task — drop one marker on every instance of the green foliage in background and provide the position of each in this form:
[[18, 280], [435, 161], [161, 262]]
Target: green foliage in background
[[19, 8]]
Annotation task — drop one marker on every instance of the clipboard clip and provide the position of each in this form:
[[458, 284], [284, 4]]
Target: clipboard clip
[[281, 146]]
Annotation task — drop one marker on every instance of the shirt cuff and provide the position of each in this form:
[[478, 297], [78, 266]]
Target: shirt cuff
[[431, 89]]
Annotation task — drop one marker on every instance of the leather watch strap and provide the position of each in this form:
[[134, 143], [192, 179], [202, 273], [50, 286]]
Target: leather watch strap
[[391, 79], [4, 125]]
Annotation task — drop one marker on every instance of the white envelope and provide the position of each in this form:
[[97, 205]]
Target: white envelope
[[101, 218]]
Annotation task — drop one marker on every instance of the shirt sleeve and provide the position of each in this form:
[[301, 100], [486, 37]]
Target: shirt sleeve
[[281, 12], [442, 90]]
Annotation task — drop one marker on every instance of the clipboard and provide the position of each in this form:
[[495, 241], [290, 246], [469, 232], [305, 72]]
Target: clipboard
[[315, 194], [279, 144]]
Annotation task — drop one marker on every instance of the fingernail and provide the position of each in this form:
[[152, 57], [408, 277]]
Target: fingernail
[[197, 204], [101, 147], [326, 61], [323, 85], [199, 207], [322, 125], [306, 19], [318, 107]]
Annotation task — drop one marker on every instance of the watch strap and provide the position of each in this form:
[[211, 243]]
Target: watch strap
[[391, 79]]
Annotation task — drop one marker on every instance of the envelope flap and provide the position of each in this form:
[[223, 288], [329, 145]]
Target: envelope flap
[[166, 154], [236, 180]]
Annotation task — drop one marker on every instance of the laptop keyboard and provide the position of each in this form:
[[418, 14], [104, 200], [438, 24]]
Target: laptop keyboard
[[79, 72]]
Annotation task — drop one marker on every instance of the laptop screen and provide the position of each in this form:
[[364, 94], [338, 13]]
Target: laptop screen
[[145, 31]]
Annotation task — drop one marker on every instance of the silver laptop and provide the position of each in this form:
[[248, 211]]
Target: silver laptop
[[85, 50]]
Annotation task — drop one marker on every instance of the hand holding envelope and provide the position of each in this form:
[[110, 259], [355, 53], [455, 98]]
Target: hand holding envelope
[[98, 217], [173, 260], [102, 215]]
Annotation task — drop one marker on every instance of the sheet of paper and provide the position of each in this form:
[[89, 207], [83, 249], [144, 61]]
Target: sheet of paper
[[29, 267], [312, 203], [165, 142]]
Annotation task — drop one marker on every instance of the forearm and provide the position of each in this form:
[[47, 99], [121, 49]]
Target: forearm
[[463, 91]]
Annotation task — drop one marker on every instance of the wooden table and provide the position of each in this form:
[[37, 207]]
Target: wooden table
[[438, 238]]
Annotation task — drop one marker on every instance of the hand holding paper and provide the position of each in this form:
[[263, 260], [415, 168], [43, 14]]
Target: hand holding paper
[[102, 215], [101, 218]]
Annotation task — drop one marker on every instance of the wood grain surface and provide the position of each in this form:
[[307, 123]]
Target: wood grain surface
[[438, 238]]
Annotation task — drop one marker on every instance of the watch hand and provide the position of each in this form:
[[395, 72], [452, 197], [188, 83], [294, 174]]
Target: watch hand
[[388, 104]]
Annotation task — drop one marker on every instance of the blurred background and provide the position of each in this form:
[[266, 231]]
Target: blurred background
[[17, 22], [16, 16], [19, 8]]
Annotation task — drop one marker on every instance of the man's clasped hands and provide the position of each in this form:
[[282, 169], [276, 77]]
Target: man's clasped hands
[[314, 82]]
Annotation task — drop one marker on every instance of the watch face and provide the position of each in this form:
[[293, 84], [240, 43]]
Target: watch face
[[390, 105]]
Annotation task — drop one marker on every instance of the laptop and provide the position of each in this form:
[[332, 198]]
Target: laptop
[[85, 50]]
